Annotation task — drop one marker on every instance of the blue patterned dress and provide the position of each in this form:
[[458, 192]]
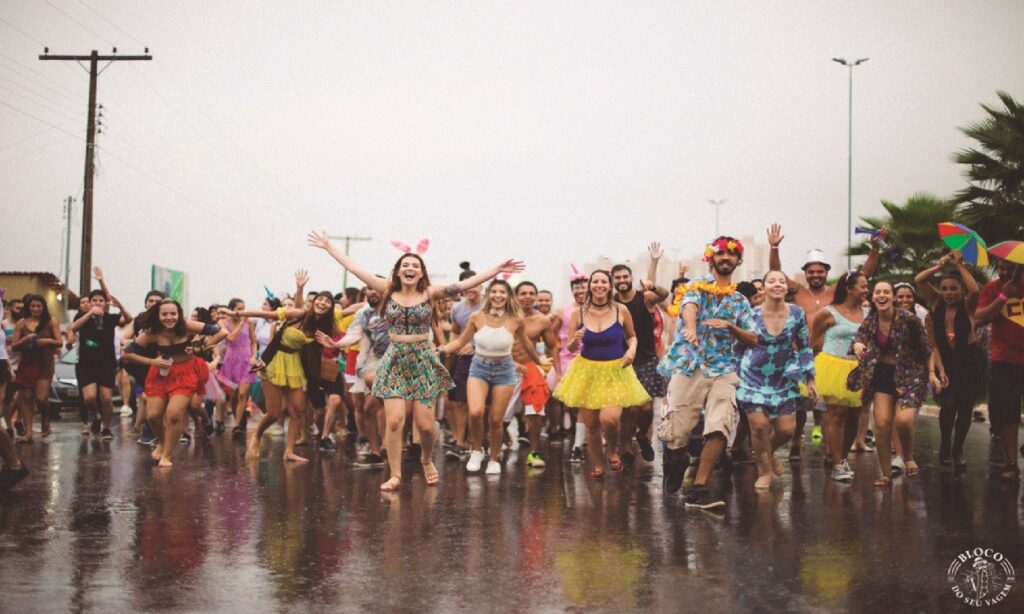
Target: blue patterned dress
[[770, 372]]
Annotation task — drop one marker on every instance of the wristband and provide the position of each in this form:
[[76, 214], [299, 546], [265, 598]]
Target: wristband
[[1003, 297], [775, 247]]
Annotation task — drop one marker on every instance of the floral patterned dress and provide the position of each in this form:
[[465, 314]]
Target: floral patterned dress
[[770, 372], [912, 349]]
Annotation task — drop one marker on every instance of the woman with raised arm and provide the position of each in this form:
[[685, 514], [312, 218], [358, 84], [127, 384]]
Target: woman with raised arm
[[410, 376], [284, 379], [953, 304], [492, 373], [37, 338], [175, 374], [895, 364]]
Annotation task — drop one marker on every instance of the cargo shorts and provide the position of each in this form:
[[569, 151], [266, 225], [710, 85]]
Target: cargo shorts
[[688, 395]]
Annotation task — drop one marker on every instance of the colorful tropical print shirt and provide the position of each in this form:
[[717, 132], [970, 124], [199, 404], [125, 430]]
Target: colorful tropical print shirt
[[714, 353]]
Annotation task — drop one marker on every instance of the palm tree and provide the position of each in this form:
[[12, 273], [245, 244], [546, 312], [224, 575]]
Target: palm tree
[[913, 242], [993, 202]]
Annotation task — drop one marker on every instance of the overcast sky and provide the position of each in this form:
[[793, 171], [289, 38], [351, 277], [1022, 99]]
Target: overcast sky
[[547, 131]]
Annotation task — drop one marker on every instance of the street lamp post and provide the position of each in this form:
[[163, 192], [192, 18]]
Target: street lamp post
[[849, 161], [718, 205]]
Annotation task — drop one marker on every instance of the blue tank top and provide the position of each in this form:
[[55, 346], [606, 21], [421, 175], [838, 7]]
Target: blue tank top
[[839, 338], [608, 344]]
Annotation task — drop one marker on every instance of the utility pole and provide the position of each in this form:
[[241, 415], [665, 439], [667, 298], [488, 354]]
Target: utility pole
[[68, 204], [90, 145], [348, 240]]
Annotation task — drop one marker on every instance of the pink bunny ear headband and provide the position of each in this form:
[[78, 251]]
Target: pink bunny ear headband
[[421, 247]]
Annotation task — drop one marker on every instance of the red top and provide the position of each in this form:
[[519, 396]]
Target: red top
[[1007, 327]]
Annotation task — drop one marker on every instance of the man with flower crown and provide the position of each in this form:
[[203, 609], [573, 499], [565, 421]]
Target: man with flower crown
[[701, 367]]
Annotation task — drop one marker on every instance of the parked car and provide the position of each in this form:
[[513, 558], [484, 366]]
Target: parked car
[[64, 391]]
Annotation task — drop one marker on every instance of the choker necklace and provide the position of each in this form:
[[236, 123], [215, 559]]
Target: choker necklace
[[605, 304], [496, 312]]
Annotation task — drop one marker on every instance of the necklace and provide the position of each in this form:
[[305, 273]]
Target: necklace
[[498, 313], [601, 305]]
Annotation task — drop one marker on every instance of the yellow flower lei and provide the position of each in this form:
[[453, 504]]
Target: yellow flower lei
[[700, 286]]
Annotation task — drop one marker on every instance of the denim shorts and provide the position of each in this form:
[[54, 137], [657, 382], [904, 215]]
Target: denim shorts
[[494, 371]]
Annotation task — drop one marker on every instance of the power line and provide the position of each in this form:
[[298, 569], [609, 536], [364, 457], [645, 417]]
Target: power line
[[29, 77], [35, 99], [35, 134], [115, 26], [24, 33], [80, 24], [42, 121]]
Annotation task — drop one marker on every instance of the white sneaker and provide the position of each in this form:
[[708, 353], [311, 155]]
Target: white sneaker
[[126, 411], [493, 468], [476, 459], [897, 465], [842, 473]]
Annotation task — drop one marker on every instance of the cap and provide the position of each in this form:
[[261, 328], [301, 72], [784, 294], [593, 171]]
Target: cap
[[816, 256]]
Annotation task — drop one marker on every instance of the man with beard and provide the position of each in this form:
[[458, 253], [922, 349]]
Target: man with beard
[[1000, 304], [456, 408], [701, 365], [638, 419], [370, 331], [532, 388], [812, 298], [544, 302]]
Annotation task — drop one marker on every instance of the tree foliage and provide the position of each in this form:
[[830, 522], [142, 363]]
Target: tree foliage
[[993, 202], [913, 243]]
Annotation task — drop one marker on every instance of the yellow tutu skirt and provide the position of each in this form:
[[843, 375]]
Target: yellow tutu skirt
[[830, 373], [285, 371], [595, 384]]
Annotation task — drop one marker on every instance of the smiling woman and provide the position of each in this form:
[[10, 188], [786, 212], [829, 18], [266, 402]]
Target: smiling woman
[[410, 376]]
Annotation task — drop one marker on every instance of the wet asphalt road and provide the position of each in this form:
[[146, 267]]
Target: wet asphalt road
[[97, 527]]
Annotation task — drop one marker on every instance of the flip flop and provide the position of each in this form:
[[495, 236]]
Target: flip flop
[[392, 484]]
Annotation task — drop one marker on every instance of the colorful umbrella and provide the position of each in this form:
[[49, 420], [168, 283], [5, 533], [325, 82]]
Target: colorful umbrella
[[968, 242], [1011, 251]]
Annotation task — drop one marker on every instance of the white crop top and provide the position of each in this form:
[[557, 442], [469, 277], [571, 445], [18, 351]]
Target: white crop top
[[493, 342]]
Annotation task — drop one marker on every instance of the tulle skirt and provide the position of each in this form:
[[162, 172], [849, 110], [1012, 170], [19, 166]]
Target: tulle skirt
[[830, 377], [595, 384]]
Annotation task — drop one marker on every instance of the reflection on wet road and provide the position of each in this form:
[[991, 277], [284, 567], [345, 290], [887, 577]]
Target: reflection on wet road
[[95, 526]]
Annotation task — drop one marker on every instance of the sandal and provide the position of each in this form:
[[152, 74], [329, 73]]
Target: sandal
[[431, 476], [883, 482], [393, 484], [595, 475], [763, 483], [615, 465], [912, 470]]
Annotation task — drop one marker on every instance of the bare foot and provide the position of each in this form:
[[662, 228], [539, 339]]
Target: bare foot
[[253, 452], [763, 483], [46, 433], [23, 440], [392, 484], [777, 467], [430, 473], [164, 462], [292, 456], [157, 453]]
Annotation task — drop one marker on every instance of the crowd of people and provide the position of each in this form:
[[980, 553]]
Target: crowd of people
[[481, 367]]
